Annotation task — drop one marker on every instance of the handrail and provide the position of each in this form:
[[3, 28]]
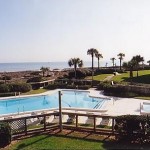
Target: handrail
[[24, 119]]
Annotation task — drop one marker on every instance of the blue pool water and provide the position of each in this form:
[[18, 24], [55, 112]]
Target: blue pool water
[[33, 103], [146, 107]]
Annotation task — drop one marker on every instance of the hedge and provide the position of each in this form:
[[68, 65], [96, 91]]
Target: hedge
[[20, 87], [5, 134], [66, 86], [116, 90], [15, 87], [133, 128], [35, 79]]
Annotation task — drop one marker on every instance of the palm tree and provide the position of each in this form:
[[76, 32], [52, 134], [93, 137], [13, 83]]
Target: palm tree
[[92, 52], [121, 55], [130, 65], [76, 62], [148, 62], [137, 59], [44, 69], [113, 61], [98, 56]]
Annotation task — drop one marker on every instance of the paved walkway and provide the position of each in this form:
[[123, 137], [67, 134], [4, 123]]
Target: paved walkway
[[108, 78]]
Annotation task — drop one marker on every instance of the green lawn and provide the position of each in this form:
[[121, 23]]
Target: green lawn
[[55, 142], [38, 91], [144, 77], [73, 141], [100, 77]]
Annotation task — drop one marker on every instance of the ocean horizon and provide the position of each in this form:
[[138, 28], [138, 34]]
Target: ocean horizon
[[35, 66]]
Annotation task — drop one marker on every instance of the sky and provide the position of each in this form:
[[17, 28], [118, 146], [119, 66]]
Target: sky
[[57, 30]]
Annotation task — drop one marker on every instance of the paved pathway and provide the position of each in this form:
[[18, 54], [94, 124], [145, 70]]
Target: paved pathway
[[108, 78]]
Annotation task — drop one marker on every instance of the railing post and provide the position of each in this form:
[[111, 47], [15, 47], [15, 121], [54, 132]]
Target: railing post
[[44, 123], [94, 124], [76, 121], [26, 126], [60, 112], [113, 122]]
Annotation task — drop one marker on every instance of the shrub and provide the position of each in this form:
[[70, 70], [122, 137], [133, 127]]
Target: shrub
[[6, 78], [35, 73], [20, 87], [4, 88], [35, 79], [116, 90], [5, 134], [51, 86], [66, 86], [132, 127], [79, 74], [7, 94]]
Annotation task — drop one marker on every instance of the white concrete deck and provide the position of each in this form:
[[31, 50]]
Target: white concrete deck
[[120, 106]]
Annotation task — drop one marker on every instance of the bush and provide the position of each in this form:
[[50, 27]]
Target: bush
[[6, 78], [20, 87], [5, 134], [133, 128], [7, 94], [116, 90], [35, 79], [4, 88], [67, 86], [79, 74], [35, 73], [51, 87]]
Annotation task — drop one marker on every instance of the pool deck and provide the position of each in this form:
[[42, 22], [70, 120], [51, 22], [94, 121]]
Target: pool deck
[[115, 106], [121, 106]]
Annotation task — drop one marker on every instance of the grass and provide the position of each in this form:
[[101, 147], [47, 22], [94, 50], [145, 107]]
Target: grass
[[54, 142], [143, 97], [73, 140], [144, 77], [38, 91], [100, 77]]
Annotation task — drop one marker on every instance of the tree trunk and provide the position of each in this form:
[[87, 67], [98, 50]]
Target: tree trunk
[[92, 69], [137, 73], [98, 63], [75, 70], [131, 75], [92, 61], [120, 64]]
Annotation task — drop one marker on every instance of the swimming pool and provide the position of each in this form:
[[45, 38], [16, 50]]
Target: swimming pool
[[146, 107], [73, 99]]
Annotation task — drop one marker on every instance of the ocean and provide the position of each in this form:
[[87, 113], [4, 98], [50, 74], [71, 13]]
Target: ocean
[[27, 66]]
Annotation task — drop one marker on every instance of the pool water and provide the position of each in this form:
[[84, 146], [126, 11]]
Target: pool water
[[33, 103], [146, 107]]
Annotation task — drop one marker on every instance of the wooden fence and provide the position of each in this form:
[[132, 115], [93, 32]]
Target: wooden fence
[[39, 123]]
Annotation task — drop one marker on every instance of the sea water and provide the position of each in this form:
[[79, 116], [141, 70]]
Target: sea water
[[27, 66]]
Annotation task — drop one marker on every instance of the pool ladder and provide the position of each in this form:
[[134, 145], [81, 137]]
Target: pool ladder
[[97, 105]]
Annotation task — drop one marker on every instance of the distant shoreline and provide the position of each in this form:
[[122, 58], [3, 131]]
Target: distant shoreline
[[34, 66]]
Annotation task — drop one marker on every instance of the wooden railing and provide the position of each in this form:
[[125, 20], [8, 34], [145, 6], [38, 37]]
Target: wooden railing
[[39, 123]]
